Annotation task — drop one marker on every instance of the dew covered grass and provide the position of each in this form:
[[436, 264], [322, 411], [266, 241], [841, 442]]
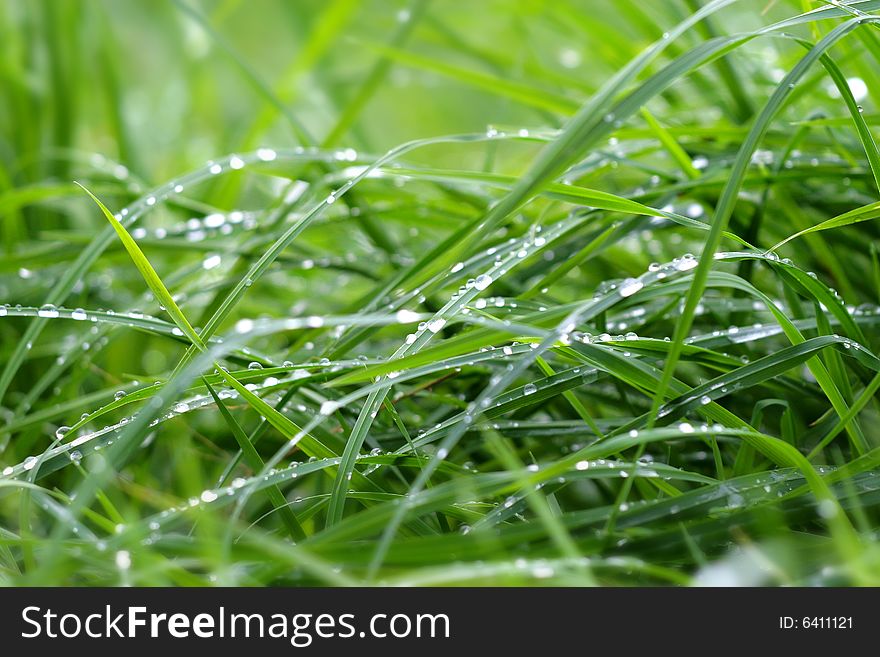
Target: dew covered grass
[[440, 293]]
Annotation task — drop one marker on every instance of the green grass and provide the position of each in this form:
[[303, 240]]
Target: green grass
[[440, 293]]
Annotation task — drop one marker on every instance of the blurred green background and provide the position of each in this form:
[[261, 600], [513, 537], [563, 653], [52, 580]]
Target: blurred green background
[[129, 96]]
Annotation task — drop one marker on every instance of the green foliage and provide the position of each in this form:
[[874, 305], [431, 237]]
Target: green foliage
[[406, 293]]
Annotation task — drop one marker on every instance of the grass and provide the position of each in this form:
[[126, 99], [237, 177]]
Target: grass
[[345, 293]]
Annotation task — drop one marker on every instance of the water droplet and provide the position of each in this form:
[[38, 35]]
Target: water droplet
[[543, 571], [123, 560], [686, 263], [329, 407], [827, 509], [694, 210], [213, 220], [629, 287], [406, 316], [858, 88], [119, 394], [530, 389], [244, 325], [235, 162], [482, 281], [61, 431], [211, 262], [569, 58], [266, 154], [48, 310], [254, 365]]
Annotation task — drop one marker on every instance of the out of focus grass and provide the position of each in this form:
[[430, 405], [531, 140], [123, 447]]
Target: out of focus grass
[[439, 292]]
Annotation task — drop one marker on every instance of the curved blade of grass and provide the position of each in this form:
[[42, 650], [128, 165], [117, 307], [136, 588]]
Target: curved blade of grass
[[864, 213], [670, 144], [151, 278], [252, 458], [728, 200]]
